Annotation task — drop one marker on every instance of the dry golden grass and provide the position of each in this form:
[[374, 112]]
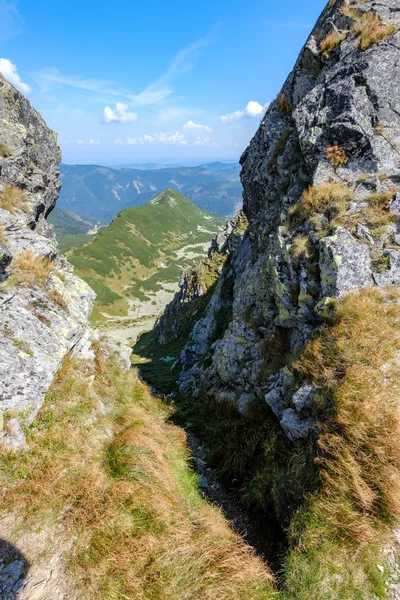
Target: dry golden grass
[[140, 526], [5, 151], [13, 199], [284, 106], [57, 298], [332, 41], [29, 268], [354, 364], [370, 30], [330, 199], [376, 215], [300, 247], [337, 156], [3, 235]]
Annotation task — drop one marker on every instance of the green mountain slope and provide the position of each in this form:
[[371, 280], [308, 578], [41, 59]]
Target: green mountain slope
[[101, 193], [140, 256], [69, 223], [72, 230]]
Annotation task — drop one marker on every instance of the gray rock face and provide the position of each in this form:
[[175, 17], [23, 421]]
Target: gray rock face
[[41, 318], [5, 259], [32, 157], [285, 271], [345, 264]]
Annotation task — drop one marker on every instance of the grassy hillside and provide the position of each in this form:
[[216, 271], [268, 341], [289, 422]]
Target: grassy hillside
[[108, 476], [100, 193], [71, 229], [141, 254], [68, 223]]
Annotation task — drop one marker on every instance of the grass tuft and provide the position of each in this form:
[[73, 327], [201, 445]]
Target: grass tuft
[[330, 199], [5, 151], [331, 42], [29, 268], [13, 199], [371, 30], [284, 105], [300, 247], [337, 156]]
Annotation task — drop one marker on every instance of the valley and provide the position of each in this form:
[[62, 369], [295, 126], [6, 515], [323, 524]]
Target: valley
[[134, 264]]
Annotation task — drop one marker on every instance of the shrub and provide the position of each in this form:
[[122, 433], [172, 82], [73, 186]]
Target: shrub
[[13, 199], [5, 151], [29, 268], [370, 30], [337, 156], [284, 106]]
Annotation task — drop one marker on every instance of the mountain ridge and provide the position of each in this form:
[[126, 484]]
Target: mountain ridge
[[99, 192], [139, 256]]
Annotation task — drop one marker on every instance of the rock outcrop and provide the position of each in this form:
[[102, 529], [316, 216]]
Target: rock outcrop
[[44, 307], [320, 192], [197, 282]]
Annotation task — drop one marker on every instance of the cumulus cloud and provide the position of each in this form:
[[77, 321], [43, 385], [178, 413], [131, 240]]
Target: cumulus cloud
[[252, 110], [120, 114], [80, 141], [196, 126], [94, 142], [10, 72]]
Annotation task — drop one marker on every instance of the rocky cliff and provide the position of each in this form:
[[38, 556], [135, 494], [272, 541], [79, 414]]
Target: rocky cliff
[[320, 193], [290, 374], [44, 307]]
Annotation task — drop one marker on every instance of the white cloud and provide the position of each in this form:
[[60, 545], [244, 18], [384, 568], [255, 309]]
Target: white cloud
[[94, 142], [120, 114], [118, 142], [10, 72], [197, 126], [80, 141], [253, 109]]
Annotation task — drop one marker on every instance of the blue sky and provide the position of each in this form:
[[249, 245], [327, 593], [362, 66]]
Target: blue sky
[[172, 81]]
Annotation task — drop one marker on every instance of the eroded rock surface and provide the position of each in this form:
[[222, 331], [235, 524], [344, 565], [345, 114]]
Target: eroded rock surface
[[41, 318]]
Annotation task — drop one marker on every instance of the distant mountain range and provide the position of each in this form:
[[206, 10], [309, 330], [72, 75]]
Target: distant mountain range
[[139, 257], [100, 193]]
